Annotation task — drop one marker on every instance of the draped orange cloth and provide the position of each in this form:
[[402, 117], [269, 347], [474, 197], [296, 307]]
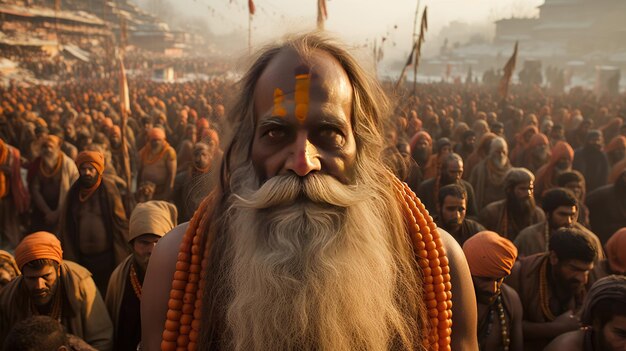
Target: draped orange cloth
[[96, 159], [618, 142], [489, 255], [37, 246], [616, 251], [545, 174]]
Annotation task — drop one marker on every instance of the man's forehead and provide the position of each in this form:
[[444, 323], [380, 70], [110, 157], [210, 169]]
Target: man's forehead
[[325, 73]]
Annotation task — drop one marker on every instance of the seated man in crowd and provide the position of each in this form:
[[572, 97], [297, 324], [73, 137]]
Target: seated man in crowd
[[603, 316], [158, 164], [42, 333], [491, 258], [551, 286], [452, 200], [53, 287], [518, 210], [561, 208], [148, 223], [451, 172]]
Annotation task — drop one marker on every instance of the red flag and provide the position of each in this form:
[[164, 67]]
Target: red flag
[[251, 7], [503, 89], [322, 14]]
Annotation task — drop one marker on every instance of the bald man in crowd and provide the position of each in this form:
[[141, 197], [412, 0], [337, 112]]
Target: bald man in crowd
[[49, 180]]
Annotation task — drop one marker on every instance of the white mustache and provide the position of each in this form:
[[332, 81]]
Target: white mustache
[[286, 189]]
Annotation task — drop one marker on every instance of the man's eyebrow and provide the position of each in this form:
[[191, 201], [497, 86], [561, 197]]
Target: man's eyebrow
[[272, 121]]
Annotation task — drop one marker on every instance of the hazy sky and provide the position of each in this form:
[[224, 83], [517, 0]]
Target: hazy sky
[[350, 19]]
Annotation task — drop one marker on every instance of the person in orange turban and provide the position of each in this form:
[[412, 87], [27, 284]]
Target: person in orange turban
[[156, 134], [491, 258], [90, 166], [36, 246]]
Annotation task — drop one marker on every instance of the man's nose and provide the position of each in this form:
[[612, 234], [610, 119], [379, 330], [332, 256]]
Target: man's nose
[[41, 284], [303, 157]]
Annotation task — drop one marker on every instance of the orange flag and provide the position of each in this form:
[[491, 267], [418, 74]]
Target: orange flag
[[251, 7], [503, 89]]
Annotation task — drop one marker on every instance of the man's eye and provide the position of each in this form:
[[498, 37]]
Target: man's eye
[[332, 135], [275, 133]]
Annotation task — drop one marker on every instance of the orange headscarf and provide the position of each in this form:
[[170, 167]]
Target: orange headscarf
[[616, 251], [146, 151], [489, 255], [156, 133], [545, 174], [37, 246], [96, 159]]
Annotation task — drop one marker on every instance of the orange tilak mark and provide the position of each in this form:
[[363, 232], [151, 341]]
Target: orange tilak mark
[[279, 97], [303, 82]]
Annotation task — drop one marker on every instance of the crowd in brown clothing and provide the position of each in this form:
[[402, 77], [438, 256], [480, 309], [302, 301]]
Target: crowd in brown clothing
[[536, 183]]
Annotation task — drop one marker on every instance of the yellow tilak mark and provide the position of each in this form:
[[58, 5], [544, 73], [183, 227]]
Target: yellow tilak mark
[[279, 110], [303, 82]]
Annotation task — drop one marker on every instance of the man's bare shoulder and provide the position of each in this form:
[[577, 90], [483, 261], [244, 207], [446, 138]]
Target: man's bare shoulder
[[571, 341], [157, 286]]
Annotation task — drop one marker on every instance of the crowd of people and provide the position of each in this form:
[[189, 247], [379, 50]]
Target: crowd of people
[[289, 183]]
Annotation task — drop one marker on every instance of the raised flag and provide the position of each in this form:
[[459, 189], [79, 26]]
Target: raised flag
[[322, 14], [503, 89], [251, 7]]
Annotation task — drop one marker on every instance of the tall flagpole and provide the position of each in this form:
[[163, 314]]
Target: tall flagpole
[[251, 11]]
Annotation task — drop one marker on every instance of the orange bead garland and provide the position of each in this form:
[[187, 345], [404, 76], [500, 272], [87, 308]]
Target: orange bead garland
[[182, 326]]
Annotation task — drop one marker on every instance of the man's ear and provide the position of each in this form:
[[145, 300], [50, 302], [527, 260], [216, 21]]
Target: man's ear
[[554, 259], [64, 348]]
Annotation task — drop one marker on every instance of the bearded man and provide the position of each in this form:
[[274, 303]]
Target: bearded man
[[443, 147], [148, 223], [53, 287], [592, 162], [491, 258], [518, 210], [158, 164], [551, 286], [488, 176], [49, 179], [451, 213], [603, 317], [575, 182], [14, 199], [607, 208], [421, 148], [451, 172], [93, 224], [305, 229], [561, 210], [194, 185], [466, 146]]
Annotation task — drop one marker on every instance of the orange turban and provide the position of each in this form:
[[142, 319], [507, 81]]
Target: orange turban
[[116, 131], [616, 251], [489, 255], [156, 133], [94, 157], [560, 150], [37, 246], [53, 139]]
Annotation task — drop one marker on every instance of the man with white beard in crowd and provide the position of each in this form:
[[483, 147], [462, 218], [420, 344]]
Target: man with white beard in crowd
[[304, 244]]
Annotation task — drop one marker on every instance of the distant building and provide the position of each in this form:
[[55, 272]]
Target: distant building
[[580, 25]]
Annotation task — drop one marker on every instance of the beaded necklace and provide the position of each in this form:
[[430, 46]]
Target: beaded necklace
[[54, 171], [546, 236], [544, 294], [506, 340], [134, 281]]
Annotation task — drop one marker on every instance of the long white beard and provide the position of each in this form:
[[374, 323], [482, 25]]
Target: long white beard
[[312, 268]]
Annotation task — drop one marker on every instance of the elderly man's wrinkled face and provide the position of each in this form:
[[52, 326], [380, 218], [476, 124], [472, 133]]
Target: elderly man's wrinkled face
[[50, 149], [303, 124]]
